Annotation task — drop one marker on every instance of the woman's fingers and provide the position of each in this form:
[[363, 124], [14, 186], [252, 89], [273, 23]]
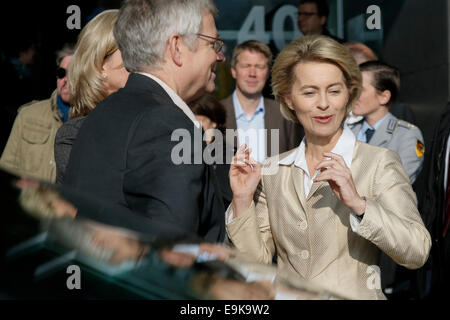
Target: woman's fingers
[[334, 161], [242, 158], [336, 157], [327, 164], [331, 174]]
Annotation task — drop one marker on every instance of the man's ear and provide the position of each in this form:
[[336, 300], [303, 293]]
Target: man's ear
[[233, 72], [104, 69], [384, 97], [175, 44], [323, 21]]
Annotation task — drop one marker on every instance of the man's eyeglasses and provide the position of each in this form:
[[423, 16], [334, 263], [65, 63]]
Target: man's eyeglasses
[[60, 73], [217, 44], [306, 14]]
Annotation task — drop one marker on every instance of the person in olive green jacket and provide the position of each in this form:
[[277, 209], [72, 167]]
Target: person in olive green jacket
[[29, 150]]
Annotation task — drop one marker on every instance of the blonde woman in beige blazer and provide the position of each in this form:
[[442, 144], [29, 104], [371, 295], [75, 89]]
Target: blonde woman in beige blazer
[[331, 204]]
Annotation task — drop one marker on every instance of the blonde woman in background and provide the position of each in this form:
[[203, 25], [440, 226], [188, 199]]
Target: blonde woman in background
[[334, 202], [96, 71]]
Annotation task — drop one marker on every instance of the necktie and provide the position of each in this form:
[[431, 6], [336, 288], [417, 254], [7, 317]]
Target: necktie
[[369, 134], [447, 205]]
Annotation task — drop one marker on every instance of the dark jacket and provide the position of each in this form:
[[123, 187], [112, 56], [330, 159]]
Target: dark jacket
[[124, 154], [65, 137], [432, 206]]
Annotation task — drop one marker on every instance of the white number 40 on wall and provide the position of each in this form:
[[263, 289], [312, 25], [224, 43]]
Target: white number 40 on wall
[[254, 27]]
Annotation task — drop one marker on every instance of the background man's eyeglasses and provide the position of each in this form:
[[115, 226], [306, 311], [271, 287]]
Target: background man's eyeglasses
[[306, 14], [60, 73], [218, 43]]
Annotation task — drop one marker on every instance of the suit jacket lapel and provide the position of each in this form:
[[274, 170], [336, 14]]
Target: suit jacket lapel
[[230, 122], [231, 115], [297, 177], [316, 186]]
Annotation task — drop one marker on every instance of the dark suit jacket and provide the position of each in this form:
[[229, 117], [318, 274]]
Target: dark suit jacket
[[64, 139], [291, 134], [123, 154]]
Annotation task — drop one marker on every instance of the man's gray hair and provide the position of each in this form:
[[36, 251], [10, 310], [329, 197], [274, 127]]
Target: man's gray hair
[[144, 27], [68, 49]]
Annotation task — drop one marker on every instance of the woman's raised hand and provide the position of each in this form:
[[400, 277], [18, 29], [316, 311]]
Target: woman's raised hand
[[245, 174]]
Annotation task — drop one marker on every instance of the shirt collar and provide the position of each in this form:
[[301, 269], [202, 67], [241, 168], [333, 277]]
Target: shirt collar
[[239, 112], [344, 147], [175, 98], [366, 126]]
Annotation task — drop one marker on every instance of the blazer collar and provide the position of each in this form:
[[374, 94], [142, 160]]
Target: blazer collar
[[147, 83], [176, 99], [231, 116], [139, 82]]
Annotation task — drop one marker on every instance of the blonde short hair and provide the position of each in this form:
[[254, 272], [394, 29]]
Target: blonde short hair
[[253, 46], [313, 49], [95, 44]]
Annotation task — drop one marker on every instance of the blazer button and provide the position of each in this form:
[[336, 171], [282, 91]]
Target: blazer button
[[303, 225], [304, 254]]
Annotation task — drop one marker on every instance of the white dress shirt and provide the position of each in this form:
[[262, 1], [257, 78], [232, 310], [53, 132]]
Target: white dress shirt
[[251, 128]]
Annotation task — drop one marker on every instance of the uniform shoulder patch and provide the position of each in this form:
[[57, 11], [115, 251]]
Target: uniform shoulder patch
[[406, 124], [420, 148], [392, 124]]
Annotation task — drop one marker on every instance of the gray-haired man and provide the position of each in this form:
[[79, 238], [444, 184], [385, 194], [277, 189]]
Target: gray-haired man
[[123, 152]]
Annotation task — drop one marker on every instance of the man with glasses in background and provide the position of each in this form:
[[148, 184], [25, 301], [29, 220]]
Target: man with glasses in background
[[29, 150], [312, 18], [126, 151]]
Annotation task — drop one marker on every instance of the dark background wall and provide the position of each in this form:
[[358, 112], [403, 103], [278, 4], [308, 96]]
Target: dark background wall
[[418, 45], [45, 22]]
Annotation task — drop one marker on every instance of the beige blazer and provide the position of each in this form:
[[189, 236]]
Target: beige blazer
[[312, 235]]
